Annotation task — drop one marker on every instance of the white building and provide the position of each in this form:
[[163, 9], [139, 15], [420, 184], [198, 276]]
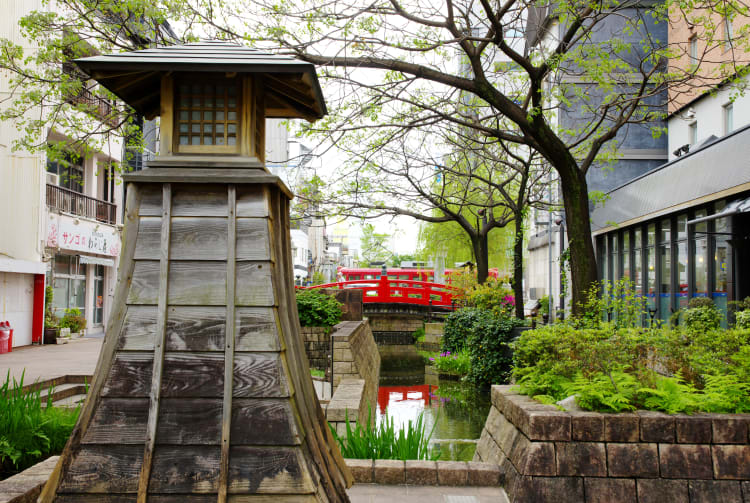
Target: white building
[[59, 220]]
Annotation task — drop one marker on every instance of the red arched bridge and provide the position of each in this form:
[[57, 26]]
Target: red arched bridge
[[390, 291]]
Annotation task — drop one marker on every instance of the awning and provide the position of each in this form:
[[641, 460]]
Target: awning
[[22, 266], [733, 208], [106, 262]]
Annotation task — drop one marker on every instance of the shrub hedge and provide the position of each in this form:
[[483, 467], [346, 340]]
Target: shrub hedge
[[317, 309]]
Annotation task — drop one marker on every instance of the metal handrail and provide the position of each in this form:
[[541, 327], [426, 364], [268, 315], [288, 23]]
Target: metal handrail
[[75, 203]]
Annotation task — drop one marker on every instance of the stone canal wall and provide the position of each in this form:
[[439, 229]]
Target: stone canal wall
[[317, 346], [355, 356], [556, 456]]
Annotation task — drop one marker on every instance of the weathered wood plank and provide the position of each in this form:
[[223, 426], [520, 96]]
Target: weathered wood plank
[[190, 283], [277, 470], [275, 498], [254, 287], [192, 238], [185, 469], [159, 344], [251, 203], [152, 498], [138, 329], [198, 238], [253, 241], [144, 287], [256, 329], [149, 237], [189, 422], [130, 375], [150, 201], [229, 346], [197, 328], [193, 375], [259, 375], [197, 283], [200, 201], [118, 421], [104, 469], [264, 421]]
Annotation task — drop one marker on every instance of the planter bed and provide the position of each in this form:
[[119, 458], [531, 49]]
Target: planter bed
[[552, 455]]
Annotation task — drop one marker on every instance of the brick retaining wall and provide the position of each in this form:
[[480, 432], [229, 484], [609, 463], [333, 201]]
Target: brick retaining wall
[[552, 455]]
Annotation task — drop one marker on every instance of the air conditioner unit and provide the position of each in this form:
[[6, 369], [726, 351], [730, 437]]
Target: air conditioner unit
[[52, 179]]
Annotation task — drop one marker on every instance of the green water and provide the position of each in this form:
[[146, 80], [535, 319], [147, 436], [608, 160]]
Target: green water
[[456, 410]]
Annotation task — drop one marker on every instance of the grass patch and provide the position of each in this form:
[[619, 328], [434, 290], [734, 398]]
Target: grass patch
[[385, 442], [30, 432]]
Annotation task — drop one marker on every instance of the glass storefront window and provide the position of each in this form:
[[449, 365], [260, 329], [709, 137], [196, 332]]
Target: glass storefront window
[[98, 295], [721, 259], [651, 235], [626, 255], [664, 231], [651, 285], [637, 273], [701, 268], [68, 284], [701, 227], [682, 227], [637, 240], [665, 282], [682, 275]]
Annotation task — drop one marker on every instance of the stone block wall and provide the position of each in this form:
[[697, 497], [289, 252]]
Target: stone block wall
[[551, 455], [355, 356], [348, 402], [317, 346]]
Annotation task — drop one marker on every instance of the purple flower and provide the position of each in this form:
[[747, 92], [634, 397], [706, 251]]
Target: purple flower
[[432, 359]]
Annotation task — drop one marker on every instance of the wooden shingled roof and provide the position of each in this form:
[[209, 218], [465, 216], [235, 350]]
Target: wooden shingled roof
[[292, 87]]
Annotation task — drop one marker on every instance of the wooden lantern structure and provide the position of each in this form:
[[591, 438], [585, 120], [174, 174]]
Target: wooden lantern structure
[[202, 392]]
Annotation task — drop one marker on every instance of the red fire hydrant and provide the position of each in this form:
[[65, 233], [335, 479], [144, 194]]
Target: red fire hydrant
[[5, 337]]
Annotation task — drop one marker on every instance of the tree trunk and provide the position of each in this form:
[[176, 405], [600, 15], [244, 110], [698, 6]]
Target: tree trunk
[[518, 264], [481, 254], [583, 269]]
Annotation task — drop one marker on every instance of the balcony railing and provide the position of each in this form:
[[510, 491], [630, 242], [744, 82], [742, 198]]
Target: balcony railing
[[100, 107], [75, 203]]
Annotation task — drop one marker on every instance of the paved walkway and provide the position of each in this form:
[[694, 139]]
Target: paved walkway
[[78, 357], [373, 493]]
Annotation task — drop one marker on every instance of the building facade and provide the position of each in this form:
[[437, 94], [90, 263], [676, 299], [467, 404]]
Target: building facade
[[61, 217]]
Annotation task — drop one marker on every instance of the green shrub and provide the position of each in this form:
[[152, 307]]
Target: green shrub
[[73, 320], [489, 349], [456, 363], [418, 334], [615, 369], [493, 296], [384, 442], [457, 328], [317, 309], [742, 319], [701, 315], [28, 431]]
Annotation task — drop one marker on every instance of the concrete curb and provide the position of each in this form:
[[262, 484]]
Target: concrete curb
[[425, 473], [26, 486]]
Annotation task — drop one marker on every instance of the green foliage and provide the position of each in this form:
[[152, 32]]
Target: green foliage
[[544, 304], [611, 368], [318, 278], [316, 309], [50, 320], [29, 431], [418, 334], [493, 296], [374, 245], [317, 372], [742, 319], [615, 302], [384, 441], [456, 363], [702, 318], [614, 391], [73, 320], [488, 346], [457, 328]]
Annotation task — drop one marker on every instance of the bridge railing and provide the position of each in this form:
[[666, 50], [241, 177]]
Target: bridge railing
[[398, 291]]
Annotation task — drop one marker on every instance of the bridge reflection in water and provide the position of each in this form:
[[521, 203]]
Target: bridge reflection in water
[[456, 410]]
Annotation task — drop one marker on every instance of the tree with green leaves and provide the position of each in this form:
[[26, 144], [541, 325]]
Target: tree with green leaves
[[406, 64], [374, 245]]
